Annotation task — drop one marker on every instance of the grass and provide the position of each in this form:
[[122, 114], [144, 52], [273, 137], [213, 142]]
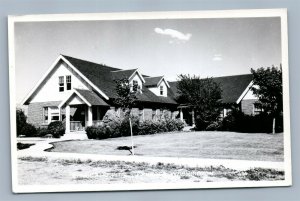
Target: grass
[[62, 171], [213, 145]]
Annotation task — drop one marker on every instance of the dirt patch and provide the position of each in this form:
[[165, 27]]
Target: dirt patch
[[42, 171]]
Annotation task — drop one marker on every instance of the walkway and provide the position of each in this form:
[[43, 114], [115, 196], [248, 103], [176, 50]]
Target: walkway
[[41, 144]]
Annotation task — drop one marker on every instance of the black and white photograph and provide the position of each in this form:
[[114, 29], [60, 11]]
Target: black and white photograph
[[149, 100]]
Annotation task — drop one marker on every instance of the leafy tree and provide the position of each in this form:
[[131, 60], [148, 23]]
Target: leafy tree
[[21, 120], [203, 95], [267, 86], [126, 98]]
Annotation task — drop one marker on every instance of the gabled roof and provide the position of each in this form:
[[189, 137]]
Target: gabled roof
[[155, 81], [121, 74], [89, 97], [103, 77], [232, 86], [152, 81]]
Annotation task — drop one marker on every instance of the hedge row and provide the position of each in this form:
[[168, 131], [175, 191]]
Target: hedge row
[[120, 127], [56, 129], [240, 122]]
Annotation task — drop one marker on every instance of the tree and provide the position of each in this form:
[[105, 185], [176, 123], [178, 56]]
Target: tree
[[126, 99], [21, 120], [203, 95], [267, 87]]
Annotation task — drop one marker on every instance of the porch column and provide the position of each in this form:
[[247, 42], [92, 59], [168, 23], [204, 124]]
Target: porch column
[[181, 114], [67, 119], [90, 116], [225, 112], [193, 117]]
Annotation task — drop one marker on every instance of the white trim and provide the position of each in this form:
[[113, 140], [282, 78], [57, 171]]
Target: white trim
[[78, 94], [54, 64], [244, 92], [86, 79], [41, 80], [139, 74], [163, 78]]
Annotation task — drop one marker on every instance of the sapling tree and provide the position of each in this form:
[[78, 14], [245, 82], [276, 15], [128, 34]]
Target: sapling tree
[[126, 100]]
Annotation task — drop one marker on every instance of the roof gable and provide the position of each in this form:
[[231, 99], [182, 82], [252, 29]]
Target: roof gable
[[155, 81], [232, 87], [87, 96]]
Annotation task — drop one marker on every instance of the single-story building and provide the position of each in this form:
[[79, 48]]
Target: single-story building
[[81, 93]]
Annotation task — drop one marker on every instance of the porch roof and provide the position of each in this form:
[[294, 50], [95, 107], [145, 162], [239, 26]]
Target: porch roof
[[87, 96], [91, 97]]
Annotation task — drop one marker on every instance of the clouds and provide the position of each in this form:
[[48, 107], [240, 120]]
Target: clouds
[[177, 36]]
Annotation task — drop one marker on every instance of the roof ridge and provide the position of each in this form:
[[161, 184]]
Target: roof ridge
[[225, 76], [155, 76], [102, 65], [115, 71]]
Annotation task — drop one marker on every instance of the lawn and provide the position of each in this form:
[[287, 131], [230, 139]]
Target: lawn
[[213, 145], [42, 171]]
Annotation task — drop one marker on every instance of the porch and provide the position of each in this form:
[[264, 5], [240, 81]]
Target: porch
[[81, 109]]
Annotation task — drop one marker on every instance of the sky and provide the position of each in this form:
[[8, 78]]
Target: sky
[[169, 47]]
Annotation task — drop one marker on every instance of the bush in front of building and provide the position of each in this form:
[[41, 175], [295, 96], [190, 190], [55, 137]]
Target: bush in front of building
[[20, 120], [42, 131], [28, 130], [237, 121], [120, 127], [56, 128]]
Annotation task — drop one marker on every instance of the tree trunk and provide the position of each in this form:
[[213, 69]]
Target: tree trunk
[[273, 129], [131, 134]]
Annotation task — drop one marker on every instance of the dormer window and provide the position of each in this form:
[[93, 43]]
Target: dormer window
[[135, 85], [161, 90], [68, 81], [61, 83]]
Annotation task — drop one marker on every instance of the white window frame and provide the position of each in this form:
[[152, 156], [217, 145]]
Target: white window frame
[[61, 83], [161, 90], [68, 81], [45, 114]]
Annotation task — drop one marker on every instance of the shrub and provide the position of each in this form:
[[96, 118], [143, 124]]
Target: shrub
[[28, 130], [214, 126], [20, 120], [42, 131], [119, 128], [57, 129], [240, 122], [21, 146]]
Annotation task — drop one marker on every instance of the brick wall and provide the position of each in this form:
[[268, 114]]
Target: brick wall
[[248, 106], [35, 112]]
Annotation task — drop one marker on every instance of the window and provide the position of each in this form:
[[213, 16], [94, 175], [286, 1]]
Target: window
[[68, 81], [54, 113], [45, 115], [161, 90], [135, 85], [61, 83], [257, 110], [54, 117]]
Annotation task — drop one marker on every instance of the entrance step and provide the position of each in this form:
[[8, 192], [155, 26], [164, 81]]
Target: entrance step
[[78, 135]]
